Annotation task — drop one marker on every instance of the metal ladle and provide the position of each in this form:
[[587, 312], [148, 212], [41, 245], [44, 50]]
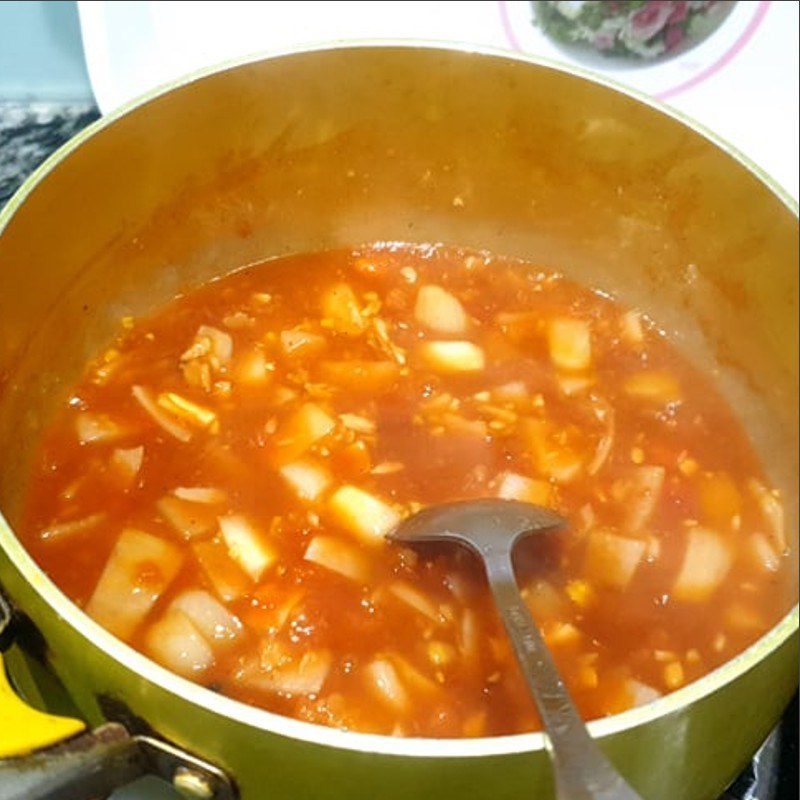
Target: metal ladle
[[491, 528]]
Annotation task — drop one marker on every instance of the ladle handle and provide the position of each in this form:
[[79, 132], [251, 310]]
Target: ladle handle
[[582, 771]]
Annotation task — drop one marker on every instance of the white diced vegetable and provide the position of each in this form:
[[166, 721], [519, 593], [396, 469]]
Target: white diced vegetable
[[469, 635], [140, 568], [201, 494], [570, 343], [513, 486], [383, 680], [307, 478], [341, 309], [289, 675], [772, 511], [247, 546], [612, 560], [452, 358], [217, 625], [126, 464], [415, 599], [631, 327], [362, 514], [94, 427], [227, 578], [706, 563], [337, 556], [307, 425], [64, 530], [655, 387], [640, 693], [174, 428], [439, 310], [188, 518], [176, 644]]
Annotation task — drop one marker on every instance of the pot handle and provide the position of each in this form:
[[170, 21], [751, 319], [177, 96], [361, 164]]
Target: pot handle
[[48, 757], [22, 728]]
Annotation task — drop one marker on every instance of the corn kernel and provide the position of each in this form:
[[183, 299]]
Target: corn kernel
[[673, 675], [688, 466], [580, 592]]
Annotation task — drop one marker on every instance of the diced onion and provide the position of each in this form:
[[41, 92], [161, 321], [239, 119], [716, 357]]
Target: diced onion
[[159, 416], [221, 342], [64, 530], [297, 343], [659, 388], [772, 511], [93, 427], [764, 554], [201, 494], [193, 413]]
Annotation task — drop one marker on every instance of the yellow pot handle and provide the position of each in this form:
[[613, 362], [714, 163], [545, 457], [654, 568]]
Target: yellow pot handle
[[24, 729]]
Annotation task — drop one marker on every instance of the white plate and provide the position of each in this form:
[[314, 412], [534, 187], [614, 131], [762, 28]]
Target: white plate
[[741, 82]]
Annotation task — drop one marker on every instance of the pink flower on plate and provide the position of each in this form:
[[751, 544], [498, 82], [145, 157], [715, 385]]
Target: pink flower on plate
[[680, 10], [650, 19], [673, 37], [604, 41]]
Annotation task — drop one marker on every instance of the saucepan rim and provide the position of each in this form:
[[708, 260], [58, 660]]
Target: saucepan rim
[[267, 721]]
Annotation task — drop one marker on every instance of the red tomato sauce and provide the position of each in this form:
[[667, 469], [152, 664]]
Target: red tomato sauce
[[219, 485]]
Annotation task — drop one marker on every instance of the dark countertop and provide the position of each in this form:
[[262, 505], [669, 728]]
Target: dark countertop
[[30, 132]]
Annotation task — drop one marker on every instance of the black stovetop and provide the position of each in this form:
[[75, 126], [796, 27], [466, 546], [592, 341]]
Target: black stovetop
[[29, 132]]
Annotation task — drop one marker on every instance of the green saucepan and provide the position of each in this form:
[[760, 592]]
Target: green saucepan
[[343, 145]]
